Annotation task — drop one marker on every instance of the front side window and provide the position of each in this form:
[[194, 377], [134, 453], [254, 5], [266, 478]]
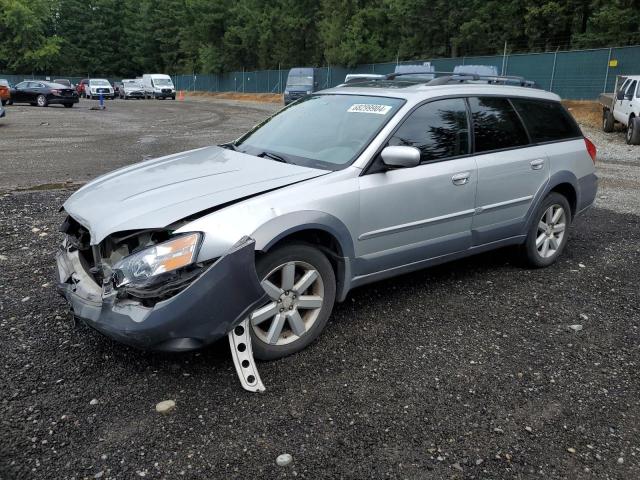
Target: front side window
[[321, 131], [631, 89], [438, 129], [496, 125], [546, 121]]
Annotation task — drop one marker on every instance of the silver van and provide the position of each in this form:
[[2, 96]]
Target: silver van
[[342, 188]]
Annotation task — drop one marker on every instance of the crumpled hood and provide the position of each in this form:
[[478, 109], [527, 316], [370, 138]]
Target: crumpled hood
[[156, 193]]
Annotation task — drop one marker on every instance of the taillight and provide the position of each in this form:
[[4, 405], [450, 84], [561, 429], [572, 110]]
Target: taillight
[[591, 149]]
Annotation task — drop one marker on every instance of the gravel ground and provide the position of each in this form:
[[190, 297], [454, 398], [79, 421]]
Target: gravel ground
[[467, 370], [50, 146]]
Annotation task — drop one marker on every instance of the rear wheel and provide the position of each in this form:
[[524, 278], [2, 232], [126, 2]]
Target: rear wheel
[[548, 234], [42, 101], [607, 121], [4, 102], [633, 131], [301, 286]]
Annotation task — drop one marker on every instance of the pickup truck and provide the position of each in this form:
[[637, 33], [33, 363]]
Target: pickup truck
[[623, 107]]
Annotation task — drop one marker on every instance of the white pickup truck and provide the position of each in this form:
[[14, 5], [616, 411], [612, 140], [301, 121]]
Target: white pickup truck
[[623, 106]]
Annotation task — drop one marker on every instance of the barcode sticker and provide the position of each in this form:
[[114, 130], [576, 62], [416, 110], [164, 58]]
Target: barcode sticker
[[369, 108]]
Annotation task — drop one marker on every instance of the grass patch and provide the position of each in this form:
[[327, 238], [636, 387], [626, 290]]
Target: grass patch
[[586, 112], [247, 97]]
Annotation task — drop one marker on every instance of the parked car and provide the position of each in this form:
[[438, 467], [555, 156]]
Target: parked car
[[157, 85], [81, 87], [5, 91], [43, 94], [65, 82], [131, 88], [345, 187], [97, 87], [623, 107], [300, 82]]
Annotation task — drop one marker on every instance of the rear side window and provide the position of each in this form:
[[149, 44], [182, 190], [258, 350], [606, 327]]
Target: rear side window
[[438, 129], [546, 121], [495, 124]]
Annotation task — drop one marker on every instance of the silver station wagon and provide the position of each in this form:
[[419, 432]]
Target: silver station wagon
[[339, 189]]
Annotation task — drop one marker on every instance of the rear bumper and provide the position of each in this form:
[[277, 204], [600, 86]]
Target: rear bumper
[[588, 189], [200, 314], [62, 100]]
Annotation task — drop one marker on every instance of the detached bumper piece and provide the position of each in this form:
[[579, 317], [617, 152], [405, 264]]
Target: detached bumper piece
[[205, 311], [240, 343]]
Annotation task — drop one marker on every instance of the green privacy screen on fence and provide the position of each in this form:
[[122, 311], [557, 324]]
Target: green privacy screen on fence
[[575, 74]]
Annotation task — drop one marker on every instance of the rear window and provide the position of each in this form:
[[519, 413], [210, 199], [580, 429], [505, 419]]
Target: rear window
[[496, 124], [546, 121]]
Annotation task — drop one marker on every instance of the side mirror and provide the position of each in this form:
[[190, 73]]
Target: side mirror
[[400, 157], [315, 84], [620, 95]]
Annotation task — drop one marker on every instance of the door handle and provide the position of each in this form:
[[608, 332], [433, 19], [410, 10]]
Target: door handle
[[537, 164], [460, 178]]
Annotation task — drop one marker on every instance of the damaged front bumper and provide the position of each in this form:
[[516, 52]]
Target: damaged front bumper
[[205, 311]]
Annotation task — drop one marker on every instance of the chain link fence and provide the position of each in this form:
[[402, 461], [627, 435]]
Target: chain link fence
[[573, 74]]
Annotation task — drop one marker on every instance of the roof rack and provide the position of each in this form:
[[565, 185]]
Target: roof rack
[[451, 77]]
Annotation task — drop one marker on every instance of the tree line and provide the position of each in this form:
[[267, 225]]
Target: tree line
[[128, 37]]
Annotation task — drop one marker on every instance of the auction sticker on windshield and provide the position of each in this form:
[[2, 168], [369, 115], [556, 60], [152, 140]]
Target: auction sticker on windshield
[[369, 108]]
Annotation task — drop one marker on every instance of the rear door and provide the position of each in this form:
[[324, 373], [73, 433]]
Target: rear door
[[413, 214], [511, 171]]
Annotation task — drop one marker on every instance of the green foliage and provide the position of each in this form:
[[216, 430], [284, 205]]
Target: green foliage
[[129, 37]]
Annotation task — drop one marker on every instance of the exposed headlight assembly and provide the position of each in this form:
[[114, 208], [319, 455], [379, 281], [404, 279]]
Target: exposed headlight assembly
[[138, 268]]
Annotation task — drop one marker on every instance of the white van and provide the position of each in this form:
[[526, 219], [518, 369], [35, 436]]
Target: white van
[[158, 85]]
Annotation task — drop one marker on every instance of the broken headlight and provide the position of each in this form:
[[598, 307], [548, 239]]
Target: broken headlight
[[139, 267]]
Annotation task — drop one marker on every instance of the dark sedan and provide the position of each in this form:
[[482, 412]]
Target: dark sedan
[[43, 94]]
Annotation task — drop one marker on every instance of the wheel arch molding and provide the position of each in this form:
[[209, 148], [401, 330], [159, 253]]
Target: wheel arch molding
[[297, 225], [558, 182], [277, 229]]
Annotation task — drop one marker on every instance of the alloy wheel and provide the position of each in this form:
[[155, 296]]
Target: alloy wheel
[[551, 230], [296, 296], [42, 101], [630, 130]]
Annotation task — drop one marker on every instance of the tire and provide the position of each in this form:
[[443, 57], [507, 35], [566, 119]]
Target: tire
[[173, 97], [42, 101], [608, 121], [4, 102], [68, 105], [533, 251], [633, 131], [271, 340]]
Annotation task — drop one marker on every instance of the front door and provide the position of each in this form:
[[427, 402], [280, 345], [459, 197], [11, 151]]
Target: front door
[[409, 215], [624, 103]]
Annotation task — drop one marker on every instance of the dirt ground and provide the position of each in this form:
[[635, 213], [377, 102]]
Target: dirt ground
[[464, 371]]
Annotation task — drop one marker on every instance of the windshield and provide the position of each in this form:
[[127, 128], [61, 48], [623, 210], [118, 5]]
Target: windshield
[[299, 80], [321, 131], [101, 83], [162, 81], [132, 83]]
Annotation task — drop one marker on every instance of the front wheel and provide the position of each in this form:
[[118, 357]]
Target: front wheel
[[633, 131], [4, 102], [301, 286], [42, 101], [68, 105], [548, 234]]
